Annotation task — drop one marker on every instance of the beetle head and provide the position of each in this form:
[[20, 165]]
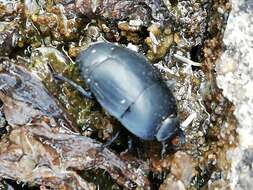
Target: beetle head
[[168, 128]]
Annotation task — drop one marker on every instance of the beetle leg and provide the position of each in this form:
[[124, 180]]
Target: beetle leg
[[181, 135], [85, 93], [164, 146], [130, 144], [171, 147], [108, 143]]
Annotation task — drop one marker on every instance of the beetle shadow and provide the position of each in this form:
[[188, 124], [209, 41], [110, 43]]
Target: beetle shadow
[[127, 142], [121, 140]]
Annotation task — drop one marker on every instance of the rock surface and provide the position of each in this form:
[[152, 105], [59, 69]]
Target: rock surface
[[235, 77]]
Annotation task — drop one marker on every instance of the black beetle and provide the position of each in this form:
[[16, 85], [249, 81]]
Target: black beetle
[[130, 89]]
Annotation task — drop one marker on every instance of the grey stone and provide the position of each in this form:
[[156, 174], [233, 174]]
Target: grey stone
[[235, 77]]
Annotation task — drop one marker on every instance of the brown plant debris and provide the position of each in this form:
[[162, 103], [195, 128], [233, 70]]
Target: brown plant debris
[[24, 96], [40, 154]]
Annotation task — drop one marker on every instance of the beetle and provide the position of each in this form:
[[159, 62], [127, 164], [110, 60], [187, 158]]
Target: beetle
[[130, 89]]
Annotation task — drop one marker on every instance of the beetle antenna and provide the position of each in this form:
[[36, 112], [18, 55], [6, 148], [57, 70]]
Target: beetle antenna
[[85, 93], [172, 147], [181, 135], [57, 76], [51, 68], [108, 143], [164, 146]]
